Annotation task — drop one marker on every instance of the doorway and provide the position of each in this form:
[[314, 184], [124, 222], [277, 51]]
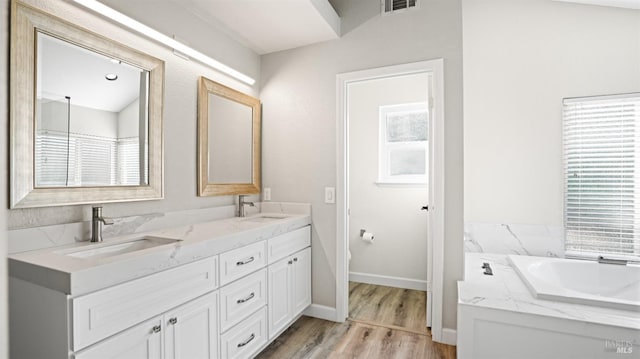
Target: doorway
[[401, 115]]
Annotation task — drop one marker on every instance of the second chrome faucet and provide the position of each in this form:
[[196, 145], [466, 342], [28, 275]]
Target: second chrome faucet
[[242, 203]]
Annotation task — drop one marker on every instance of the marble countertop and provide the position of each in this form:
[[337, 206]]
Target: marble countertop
[[506, 291], [54, 269]]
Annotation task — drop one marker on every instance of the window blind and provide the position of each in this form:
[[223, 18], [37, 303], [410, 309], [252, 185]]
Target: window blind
[[128, 162], [91, 159], [602, 176]]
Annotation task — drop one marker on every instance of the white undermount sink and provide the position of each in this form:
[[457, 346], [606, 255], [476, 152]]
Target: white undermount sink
[[266, 217], [104, 250]]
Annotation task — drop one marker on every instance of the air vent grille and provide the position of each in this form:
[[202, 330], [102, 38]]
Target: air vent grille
[[391, 6]]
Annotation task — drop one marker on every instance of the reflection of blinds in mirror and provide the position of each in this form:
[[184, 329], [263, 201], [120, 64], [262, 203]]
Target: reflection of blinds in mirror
[[128, 167], [93, 161], [51, 159]]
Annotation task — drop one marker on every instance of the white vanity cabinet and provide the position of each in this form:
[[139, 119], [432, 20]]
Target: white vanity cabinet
[[105, 323], [229, 305], [289, 279], [189, 331]]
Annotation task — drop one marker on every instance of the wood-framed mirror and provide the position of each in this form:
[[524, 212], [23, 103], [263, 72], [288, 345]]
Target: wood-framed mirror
[[229, 132], [85, 118]]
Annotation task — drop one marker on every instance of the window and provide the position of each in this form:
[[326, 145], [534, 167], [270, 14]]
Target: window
[[602, 176], [403, 138]]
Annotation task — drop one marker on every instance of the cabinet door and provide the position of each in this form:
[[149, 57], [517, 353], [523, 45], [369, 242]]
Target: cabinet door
[[280, 282], [301, 281], [144, 341], [192, 329]]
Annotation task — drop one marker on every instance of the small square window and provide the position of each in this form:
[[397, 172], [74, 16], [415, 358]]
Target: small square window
[[403, 144]]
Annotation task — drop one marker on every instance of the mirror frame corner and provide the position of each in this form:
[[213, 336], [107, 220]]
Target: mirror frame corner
[[206, 188]]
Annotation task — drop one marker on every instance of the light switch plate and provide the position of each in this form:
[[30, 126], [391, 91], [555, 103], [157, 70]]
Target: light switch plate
[[329, 195], [266, 194]]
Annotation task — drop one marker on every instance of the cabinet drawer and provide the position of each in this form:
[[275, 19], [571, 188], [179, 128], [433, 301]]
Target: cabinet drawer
[[243, 340], [288, 243], [242, 261], [241, 298], [108, 311]]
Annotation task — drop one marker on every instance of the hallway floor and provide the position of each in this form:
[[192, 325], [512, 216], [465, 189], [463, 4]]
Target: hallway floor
[[383, 322]]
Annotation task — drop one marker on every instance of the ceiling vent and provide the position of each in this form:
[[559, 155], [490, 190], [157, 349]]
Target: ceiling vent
[[393, 6]]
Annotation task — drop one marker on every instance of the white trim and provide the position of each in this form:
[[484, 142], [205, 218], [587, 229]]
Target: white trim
[[321, 312], [449, 336], [389, 281], [436, 185]]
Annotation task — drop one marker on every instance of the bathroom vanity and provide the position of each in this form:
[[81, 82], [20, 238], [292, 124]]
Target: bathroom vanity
[[221, 289]]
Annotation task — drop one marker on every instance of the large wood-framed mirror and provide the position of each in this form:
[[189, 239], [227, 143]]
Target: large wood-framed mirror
[[85, 118], [228, 141]]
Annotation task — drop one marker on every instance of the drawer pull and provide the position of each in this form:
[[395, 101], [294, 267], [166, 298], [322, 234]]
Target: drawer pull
[[246, 261], [173, 321], [240, 345], [240, 301], [156, 329]]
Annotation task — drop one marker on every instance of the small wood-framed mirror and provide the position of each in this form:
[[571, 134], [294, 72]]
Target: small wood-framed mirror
[[228, 141]]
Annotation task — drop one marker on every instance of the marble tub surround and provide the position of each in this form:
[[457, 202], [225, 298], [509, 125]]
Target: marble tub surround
[[28, 239], [499, 318], [52, 268], [521, 239], [505, 290]]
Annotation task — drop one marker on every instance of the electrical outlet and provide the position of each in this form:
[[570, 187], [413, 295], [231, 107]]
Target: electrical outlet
[[266, 194], [329, 195]]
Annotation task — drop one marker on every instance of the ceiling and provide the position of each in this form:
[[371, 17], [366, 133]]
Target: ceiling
[[73, 71], [268, 26], [627, 4]]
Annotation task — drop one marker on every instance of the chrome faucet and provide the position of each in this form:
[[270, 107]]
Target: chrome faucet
[[97, 220], [242, 203]]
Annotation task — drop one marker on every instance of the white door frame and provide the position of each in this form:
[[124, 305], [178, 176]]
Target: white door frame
[[435, 68]]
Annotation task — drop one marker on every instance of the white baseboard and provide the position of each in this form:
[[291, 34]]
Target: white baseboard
[[322, 312], [449, 336], [388, 281]]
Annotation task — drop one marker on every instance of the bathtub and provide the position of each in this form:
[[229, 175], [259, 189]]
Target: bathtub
[[580, 281]]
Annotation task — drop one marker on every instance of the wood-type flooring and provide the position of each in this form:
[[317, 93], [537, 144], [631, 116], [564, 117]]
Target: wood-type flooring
[[384, 322]]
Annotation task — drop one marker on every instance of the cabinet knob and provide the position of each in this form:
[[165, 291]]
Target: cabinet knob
[[240, 345], [173, 321], [290, 262], [295, 259], [156, 329]]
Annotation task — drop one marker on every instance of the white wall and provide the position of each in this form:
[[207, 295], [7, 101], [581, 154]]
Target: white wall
[[299, 119], [4, 49], [175, 19], [84, 120], [180, 104], [521, 58], [129, 120], [392, 212]]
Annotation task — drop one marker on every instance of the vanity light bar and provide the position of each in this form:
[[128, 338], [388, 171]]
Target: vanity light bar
[[143, 29]]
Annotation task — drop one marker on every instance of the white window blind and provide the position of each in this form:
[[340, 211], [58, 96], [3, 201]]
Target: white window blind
[[602, 176], [91, 160], [128, 162]]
